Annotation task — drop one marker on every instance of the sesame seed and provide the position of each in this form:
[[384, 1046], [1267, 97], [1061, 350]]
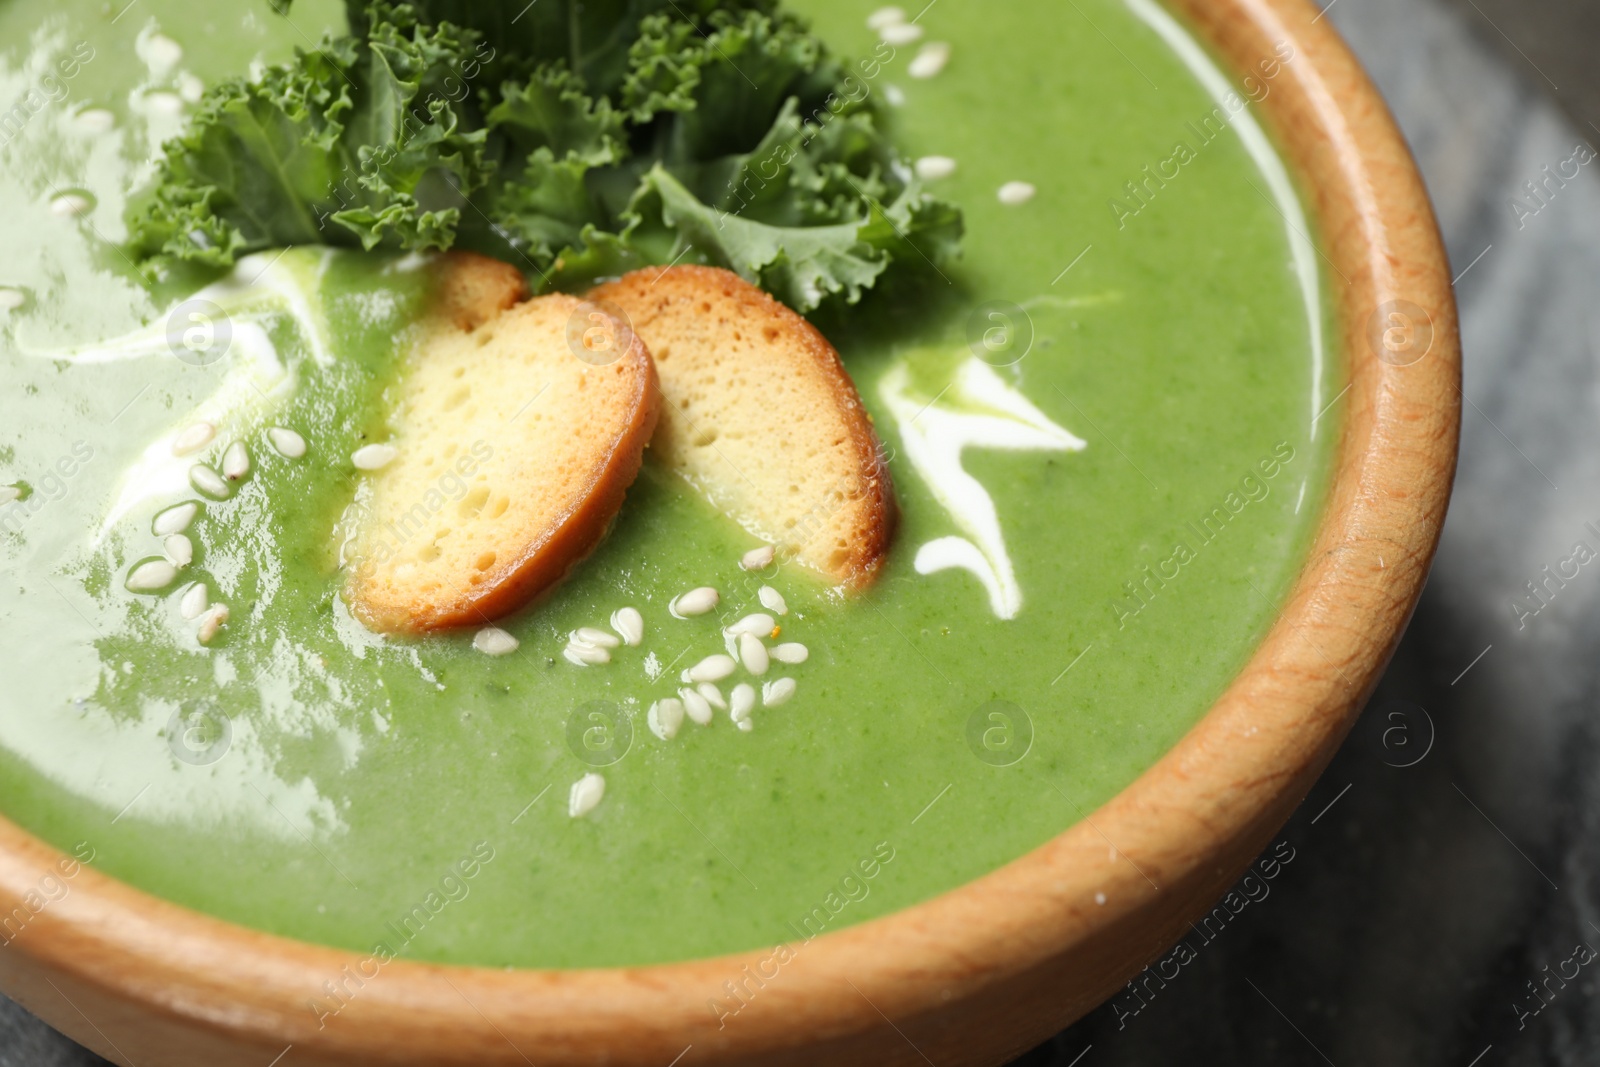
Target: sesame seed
[[932, 168], [745, 725], [174, 520], [194, 602], [236, 461], [694, 602], [757, 558], [211, 623], [287, 443], [900, 33], [742, 702], [930, 61], [665, 717], [790, 652], [151, 576], [68, 205], [895, 97], [208, 481], [193, 438], [8, 493], [629, 623], [179, 549], [698, 707], [713, 695], [1013, 193], [587, 792], [191, 88], [162, 51], [96, 120], [753, 654], [373, 457], [589, 635], [777, 691], [583, 655], [493, 641], [1099, 898], [772, 600], [163, 103], [711, 669], [758, 624], [885, 16]]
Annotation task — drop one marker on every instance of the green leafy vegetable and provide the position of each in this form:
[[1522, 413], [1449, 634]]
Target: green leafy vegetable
[[577, 139]]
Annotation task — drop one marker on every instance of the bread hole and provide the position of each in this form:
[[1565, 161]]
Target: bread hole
[[485, 337], [429, 553], [473, 502], [484, 562], [498, 508], [704, 436], [771, 334], [459, 397], [458, 372]]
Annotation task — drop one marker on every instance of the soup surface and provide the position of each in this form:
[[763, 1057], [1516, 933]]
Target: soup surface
[[1105, 442]]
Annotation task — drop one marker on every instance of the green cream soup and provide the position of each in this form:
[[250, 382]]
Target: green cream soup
[[1104, 437]]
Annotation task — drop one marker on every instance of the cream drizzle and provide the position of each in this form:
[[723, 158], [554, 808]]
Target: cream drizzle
[[977, 410]]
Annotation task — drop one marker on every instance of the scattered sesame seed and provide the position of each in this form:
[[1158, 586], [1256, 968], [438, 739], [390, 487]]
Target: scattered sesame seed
[[757, 624], [894, 95], [193, 439], [208, 481], [742, 702], [587, 792], [886, 16], [68, 205], [711, 669], [753, 654], [162, 51], [493, 641], [373, 457], [694, 602], [713, 695], [174, 520], [589, 635], [287, 443], [777, 691], [1099, 898], [8, 493], [584, 655], [665, 717], [191, 88], [163, 103], [194, 602], [757, 558], [900, 33], [629, 623], [212, 622], [932, 168], [790, 652], [96, 120], [1013, 193], [151, 576], [772, 600], [236, 461], [745, 725], [698, 707], [930, 61], [179, 549]]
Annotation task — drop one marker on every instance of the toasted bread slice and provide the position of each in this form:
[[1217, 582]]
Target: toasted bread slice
[[761, 416], [469, 289], [514, 446]]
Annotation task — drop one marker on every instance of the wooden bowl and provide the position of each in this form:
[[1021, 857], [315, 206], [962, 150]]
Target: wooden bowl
[[988, 970]]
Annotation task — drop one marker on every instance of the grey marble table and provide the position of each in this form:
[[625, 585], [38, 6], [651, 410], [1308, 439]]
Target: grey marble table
[[1445, 884]]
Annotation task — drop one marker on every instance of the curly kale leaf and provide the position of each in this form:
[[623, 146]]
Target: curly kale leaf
[[577, 139]]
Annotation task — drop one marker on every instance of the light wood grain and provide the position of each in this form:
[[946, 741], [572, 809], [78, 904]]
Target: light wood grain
[[985, 971]]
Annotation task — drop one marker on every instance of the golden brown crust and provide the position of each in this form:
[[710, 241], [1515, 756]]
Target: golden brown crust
[[656, 300], [538, 549], [469, 289]]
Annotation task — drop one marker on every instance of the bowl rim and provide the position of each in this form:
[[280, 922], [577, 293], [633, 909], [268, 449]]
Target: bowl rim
[[1105, 896]]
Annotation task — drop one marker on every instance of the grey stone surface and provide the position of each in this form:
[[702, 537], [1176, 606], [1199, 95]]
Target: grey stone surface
[[1444, 871]]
